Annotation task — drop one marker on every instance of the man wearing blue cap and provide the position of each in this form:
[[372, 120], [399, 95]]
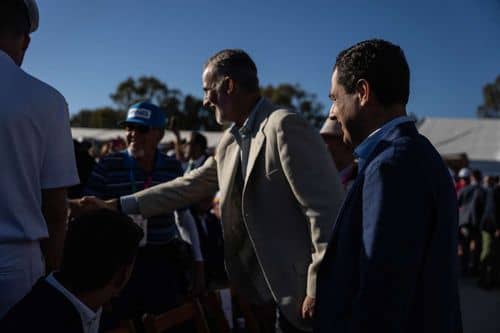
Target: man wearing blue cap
[[157, 280], [39, 162]]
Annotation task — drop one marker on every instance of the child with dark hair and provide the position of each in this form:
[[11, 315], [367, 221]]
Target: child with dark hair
[[99, 254]]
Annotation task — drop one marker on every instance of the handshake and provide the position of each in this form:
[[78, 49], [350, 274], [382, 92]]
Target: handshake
[[83, 205]]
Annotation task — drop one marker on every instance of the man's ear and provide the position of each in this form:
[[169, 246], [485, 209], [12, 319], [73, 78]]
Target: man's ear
[[26, 42], [230, 87], [363, 90], [121, 277]]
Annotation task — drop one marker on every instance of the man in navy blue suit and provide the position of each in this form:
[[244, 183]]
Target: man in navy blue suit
[[391, 263]]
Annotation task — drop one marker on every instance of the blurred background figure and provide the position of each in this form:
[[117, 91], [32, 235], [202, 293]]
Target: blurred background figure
[[463, 179], [471, 204], [489, 263], [85, 164], [193, 152], [211, 243]]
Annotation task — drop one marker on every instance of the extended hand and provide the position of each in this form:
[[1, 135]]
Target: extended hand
[[308, 307], [80, 206]]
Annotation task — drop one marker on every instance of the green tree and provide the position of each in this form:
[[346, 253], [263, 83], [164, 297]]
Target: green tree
[[187, 111], [98, 118], [149, 88], [491, 105], [296, 98]]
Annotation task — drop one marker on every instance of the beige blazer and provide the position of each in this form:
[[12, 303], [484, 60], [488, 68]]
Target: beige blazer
[[291, 196]]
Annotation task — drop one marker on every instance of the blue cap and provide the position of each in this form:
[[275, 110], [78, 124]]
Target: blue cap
[[147, 114]]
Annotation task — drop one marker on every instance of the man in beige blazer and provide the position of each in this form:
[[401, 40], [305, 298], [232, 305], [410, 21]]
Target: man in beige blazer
[[279, 193]]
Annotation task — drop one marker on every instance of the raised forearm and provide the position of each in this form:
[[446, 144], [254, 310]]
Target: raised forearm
[[54, 209]]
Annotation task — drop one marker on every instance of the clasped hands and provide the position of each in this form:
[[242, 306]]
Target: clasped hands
[[86, 204]]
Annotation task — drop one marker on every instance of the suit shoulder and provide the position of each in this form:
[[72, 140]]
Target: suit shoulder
[[281, 119], [32, 314], [279, 114], [412, 156]]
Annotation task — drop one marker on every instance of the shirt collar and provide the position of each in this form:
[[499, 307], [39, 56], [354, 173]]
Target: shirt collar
[[365, 148], [248, 125], [5, 57], [197, 162], [88, 316], [346, 172]]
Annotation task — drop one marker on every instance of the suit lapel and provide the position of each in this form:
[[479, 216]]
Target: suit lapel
[[229, 168], [255, 147], [258, 136], [358, 182]]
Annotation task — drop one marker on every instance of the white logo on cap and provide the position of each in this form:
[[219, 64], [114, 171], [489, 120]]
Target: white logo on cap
[[139, 113]]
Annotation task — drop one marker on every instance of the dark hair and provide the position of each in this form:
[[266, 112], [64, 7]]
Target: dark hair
[[236, 64], [477, 174], [382, 64], [199, 139], [14, 19], [97, 245]]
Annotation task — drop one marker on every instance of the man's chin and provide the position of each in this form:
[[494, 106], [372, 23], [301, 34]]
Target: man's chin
[[136, 153], [218, 118]]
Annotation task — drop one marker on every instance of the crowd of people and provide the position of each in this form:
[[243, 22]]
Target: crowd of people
[[479, 226], [349, 229]]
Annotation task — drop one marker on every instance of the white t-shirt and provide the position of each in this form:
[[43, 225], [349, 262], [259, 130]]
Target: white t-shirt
[[36, 151]]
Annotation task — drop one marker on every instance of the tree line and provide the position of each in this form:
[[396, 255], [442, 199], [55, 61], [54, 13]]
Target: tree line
[[187, 110], [491, 105]]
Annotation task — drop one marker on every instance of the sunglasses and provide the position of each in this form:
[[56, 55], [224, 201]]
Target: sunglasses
[[138, 128]]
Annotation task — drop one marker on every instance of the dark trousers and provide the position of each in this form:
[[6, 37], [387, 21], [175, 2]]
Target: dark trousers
[[271, 320], [470, 242], [285, 326]]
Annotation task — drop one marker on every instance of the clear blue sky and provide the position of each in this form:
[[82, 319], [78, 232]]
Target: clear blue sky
[[85, 48]]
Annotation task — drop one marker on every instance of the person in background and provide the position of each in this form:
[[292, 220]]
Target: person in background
[[38, 161], [98, 258], [84, 164], [489, 260], [463, 179], [471, 205], [211, 243], [193, 153], [158, 281]]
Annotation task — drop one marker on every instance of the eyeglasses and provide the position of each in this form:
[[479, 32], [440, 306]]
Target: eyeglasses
[[138, 128]]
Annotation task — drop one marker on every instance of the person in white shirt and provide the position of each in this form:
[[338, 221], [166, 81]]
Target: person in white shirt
[[38, 161], [99, 255]]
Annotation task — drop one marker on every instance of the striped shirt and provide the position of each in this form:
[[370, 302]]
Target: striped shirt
[[118, 175]]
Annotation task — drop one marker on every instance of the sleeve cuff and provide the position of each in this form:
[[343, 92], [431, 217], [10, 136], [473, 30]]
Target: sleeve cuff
[[129, 204]]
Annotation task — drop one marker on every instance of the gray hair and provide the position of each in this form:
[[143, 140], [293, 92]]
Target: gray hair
[[236, 64]]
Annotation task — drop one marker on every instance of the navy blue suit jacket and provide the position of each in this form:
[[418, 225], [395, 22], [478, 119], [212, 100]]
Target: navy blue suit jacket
[[391, 263], [43, 309]]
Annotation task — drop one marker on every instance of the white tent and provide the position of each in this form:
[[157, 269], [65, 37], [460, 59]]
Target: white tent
[[478, 138], [102, 134]]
